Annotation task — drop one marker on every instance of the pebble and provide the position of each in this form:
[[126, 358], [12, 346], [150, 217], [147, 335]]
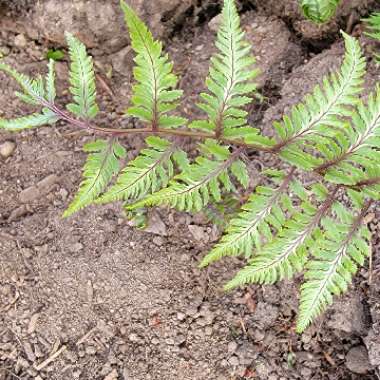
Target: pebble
[[357, 360], [76, 247], [234, 361], [20, 41], [7, 148], [181, 316]]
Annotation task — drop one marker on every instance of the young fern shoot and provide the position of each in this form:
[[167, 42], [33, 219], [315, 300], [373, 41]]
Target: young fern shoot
[[285, 227]]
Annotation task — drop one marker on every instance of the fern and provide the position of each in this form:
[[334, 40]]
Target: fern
[[336, 256], [358, 146], [288, 252], [35, 92], [150, 171], [320, 114], [261, 213], [153, 96], [229, 82], [319, 11], [82, 80], [284, 225], [102, 164], [202, 181], [373, 29]]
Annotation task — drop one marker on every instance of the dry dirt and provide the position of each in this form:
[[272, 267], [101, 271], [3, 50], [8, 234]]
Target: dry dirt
[[93, 298]]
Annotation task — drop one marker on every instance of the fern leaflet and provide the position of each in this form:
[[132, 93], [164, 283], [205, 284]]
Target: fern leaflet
[[258, 215], [82, 80], [358, 146], [287, 253], [229, 81], [147, 173], [320, 113], [192, 189], [342, 246], [153, 97], [101, 165]]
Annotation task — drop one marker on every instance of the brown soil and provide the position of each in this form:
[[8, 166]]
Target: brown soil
[[91, 297]]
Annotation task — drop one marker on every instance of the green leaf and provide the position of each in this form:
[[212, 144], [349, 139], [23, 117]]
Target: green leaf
[[82, 80], [320, 115], [101, 165], [230, 77], [246, 231], [28, 122], [319, 11], [153, 96], [55, 55], [147, 173], [343, 246]]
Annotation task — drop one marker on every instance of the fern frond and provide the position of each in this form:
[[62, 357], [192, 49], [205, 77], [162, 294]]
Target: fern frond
[[33, 89], [50, 82], [147, 173], [101, 165], [287, 253], [229, 81], [31, 121], [82, 80], [319, 11], [259, 214], [320, 113], [359, 147], [153, 98], [192, 189], [337, 253], [373, 26]]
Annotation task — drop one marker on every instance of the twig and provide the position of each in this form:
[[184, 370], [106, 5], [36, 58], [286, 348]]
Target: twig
[[50, 359]]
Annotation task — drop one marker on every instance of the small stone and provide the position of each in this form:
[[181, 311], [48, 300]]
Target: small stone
[[155, 225], [357, 360], [76, 247], [349, 316], [234, 361], [29, 195], [20, 41], [7, 148], [112, 376], [48, 182], [232, 347], [134, 338], [155, 341], [181, 316], [215, 23], [199, 233], [90, 350], [63, 194], [158, 241]]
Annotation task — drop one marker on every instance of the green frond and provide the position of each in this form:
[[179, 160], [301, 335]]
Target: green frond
[[287, 253], [147, 173], [200, 182], [82, 80], [50, 82], [340, 249], [319, 11], [33, 89], [259, 215], [28, 122], [101, 165], [320, 115], [153, 96], [229, 81], [359, 147], [373, 26]]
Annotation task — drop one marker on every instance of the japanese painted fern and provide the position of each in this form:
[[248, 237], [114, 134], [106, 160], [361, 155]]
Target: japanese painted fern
[[285, 227]]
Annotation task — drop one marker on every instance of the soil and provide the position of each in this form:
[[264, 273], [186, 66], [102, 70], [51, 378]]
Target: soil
[[93, 298]]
